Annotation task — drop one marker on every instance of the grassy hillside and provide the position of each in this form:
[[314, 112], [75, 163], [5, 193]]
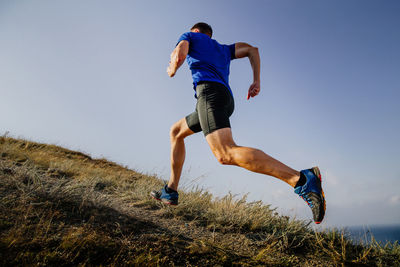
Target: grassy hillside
[[62, 207]]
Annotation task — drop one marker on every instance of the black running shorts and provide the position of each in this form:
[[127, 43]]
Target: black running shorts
[[214, 107]]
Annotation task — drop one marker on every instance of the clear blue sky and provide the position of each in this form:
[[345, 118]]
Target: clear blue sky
[[91, 75]]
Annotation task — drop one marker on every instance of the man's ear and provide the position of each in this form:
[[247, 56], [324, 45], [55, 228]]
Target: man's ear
[[195, 30]]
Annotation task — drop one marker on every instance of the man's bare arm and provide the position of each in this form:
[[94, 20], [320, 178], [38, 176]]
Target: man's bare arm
[[246, 50], [178, 56]]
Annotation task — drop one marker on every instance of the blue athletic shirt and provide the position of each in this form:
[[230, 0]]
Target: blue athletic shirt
[[207, 59]]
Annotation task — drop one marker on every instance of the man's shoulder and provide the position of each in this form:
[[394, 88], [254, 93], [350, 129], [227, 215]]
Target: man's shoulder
[[198, 36], [185, 35], [193, 36]]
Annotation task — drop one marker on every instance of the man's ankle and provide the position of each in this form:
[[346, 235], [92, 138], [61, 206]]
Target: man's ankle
[[170, 190], [302, 180]]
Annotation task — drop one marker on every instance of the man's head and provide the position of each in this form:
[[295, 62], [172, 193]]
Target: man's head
[[203, 28]]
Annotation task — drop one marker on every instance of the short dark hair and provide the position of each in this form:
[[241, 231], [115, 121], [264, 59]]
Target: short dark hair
[[203, 28]]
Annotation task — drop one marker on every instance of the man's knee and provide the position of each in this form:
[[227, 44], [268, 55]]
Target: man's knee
[[176, 131], [224, 158]]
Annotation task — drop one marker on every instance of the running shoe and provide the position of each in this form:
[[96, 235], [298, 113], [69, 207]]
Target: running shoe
[[312, 193], [167, 198]]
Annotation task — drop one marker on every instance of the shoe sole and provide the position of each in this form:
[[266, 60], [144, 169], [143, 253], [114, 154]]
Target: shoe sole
[[164, 201], [317, 173]]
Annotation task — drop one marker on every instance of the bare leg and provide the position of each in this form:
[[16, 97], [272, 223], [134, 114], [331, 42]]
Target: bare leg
[[178, 132], [227, 152]]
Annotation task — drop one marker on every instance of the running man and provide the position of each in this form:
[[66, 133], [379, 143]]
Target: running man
[[209, 63]]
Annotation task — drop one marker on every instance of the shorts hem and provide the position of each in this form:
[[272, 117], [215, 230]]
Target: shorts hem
[[213, 130]]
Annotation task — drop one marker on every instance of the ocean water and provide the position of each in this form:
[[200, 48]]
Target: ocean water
[[381, 233]]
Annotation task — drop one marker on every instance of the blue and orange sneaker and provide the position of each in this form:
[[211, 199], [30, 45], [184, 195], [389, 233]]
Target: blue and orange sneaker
[[312, 193], [166, 195]]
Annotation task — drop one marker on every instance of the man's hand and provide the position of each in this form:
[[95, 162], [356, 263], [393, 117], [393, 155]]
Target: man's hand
[[171, 72], [253, 90]]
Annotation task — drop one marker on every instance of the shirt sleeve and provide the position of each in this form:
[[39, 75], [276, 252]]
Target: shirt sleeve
[[186, 36], [232, 51]]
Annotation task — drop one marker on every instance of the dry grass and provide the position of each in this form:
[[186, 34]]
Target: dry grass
[[61, 207]]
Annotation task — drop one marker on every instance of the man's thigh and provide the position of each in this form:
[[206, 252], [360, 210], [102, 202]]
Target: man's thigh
[[220, 140], [215, 105], [192, 122]]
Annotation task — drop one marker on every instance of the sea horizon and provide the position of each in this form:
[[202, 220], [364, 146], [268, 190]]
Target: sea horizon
[[380, 232]]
